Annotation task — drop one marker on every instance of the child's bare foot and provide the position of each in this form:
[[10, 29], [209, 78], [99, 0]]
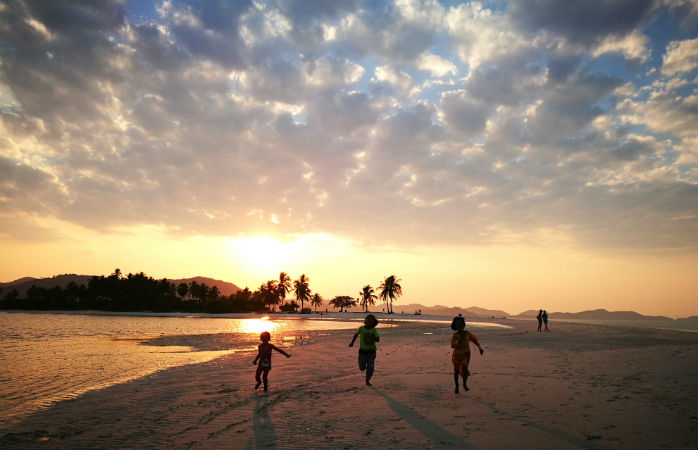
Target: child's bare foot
[[266, 389], [466, 388], [457, 391], [256, 386], [368, 383]]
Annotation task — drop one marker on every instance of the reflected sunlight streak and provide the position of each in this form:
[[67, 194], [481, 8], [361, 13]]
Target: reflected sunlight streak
[[256, 326]]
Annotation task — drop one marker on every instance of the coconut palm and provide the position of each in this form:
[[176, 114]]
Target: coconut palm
[[302, 289], [269, 294], [367, 297], [316, 301], [183, 289], [390, 290], [284, 286]]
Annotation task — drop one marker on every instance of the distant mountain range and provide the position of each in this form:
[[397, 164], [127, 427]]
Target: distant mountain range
[[438, 310], [603, 314], [23, 284], [227, 288]]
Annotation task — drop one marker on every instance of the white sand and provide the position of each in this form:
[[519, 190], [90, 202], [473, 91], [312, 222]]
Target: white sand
[[579, 386]]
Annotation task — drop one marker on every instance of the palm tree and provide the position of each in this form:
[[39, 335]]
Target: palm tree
[[316, 301], [390, 290], [183, 289], [284, 286], [302, 289], [367, 297], [269, 294]]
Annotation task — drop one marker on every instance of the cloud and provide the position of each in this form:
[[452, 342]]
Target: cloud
[[580, 22], [633, 46], [405, 123], [436, 65], [478, 34], [680, 56], [463, 114]]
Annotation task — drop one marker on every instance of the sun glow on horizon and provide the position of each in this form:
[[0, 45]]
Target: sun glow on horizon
[[264, 256]]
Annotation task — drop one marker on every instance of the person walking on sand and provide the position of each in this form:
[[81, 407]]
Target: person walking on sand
[[263, 359], [545, 319], [367, 345], [460, 343], [540, 319]]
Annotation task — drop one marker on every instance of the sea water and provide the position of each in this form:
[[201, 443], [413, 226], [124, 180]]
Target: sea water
[[46, 358]]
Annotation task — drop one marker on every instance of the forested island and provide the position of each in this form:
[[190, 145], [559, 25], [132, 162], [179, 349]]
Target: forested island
[[140, 292]]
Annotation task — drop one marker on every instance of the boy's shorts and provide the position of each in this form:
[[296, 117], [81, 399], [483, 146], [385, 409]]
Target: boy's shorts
[[366, 357]]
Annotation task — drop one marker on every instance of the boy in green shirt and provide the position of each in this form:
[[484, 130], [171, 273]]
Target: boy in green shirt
[[367, 345]]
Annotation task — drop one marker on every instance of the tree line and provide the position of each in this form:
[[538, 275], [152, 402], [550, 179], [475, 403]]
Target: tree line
[[139, 292]]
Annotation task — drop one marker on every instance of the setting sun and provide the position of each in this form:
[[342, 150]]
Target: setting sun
[[261, 252]]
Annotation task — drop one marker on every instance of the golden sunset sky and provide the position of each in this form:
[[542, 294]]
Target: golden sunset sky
[[511, 156]]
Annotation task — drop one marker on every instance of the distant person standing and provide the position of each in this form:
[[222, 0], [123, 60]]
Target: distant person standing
[[545, 319], [264, 358], [460, 343], [540, 319], [367, 346]]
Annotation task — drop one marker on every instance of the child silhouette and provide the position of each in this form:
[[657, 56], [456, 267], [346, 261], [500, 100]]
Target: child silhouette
[[264, 358], [367, 345], [460, 343]]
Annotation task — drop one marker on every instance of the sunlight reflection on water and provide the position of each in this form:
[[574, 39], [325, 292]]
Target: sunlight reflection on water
[[51, 357]]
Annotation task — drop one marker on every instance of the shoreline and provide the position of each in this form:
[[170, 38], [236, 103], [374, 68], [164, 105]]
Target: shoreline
[[581, 386], [358, 316]]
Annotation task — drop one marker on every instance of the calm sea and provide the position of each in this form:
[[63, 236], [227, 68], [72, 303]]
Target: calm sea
[[46, 358]]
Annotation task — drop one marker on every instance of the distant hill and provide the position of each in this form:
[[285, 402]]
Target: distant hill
[[596, 314], [437, 310], [487, 312], [224, 287], [23, 284], [688, 322]]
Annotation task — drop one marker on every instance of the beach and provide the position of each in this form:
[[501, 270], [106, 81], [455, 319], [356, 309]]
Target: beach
[[578, 386]]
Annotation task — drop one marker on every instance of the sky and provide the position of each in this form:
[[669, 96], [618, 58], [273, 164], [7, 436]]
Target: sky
[[506, 155]]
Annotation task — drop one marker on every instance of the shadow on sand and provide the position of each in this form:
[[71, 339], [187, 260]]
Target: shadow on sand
[[432, 431], [264, 434], [561, 435]]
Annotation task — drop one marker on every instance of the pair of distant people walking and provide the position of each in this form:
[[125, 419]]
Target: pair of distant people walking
[[542, 319]]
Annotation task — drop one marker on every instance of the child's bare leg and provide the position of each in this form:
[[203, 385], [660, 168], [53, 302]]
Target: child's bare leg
[[265, 378], [465, 380], [257, 377], [455, 378]]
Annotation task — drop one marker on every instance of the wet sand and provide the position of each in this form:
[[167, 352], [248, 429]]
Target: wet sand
[[579, 386]]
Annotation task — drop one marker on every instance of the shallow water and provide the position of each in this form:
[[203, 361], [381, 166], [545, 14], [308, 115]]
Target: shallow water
[[51, 357]]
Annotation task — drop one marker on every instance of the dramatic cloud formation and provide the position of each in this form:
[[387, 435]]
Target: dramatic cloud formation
[[403, 123]]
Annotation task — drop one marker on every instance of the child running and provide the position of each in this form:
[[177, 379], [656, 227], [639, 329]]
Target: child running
[[264, 358], [460, 343], [367, 345]]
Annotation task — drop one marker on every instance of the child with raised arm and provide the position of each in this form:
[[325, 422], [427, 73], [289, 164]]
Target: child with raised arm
[[460, 343], [264, 358], [367, 345]]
